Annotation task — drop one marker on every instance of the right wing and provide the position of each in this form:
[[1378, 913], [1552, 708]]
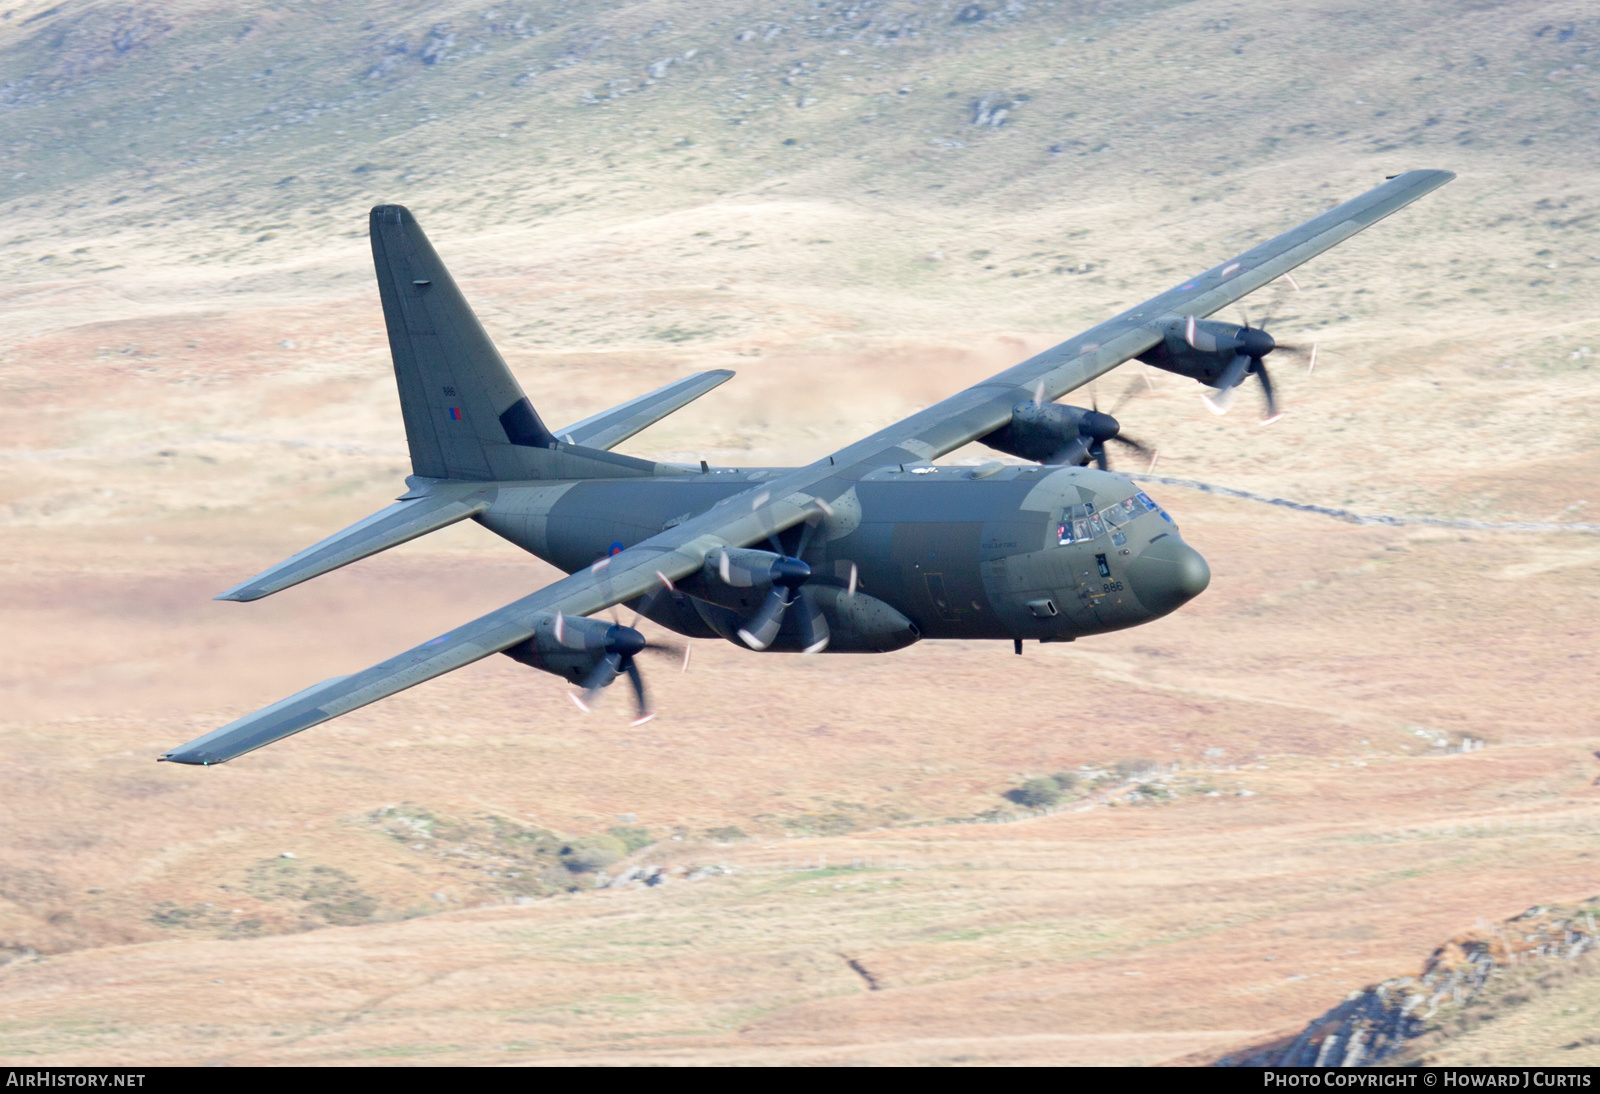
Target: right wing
[[611, 427], [675, 553]]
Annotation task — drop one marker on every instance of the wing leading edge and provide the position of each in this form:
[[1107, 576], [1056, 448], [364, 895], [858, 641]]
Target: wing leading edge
[[799, 495]]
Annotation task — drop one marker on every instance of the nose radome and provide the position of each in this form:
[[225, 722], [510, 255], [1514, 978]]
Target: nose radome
[[1168, 574]]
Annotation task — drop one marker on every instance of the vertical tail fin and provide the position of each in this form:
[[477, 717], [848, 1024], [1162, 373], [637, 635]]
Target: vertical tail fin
[[466, 417]]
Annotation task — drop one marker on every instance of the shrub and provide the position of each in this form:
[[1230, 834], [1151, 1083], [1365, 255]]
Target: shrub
[[1065, 781], [1037, 793], [726, 834], [1135, 766], [632, 837], [589, 853]]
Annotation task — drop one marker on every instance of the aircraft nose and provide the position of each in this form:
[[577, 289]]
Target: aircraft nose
[[1168, 574]]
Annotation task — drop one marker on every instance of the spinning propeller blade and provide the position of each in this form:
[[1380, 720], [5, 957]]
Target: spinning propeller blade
[[763, 627], [622, 645]]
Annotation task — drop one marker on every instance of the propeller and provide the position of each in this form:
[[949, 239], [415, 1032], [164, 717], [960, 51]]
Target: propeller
[[788, 575], [1095, 429], [620, 645], [1251, 346]]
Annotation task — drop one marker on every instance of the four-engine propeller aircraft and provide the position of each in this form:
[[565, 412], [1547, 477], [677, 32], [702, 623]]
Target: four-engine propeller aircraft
[[866, 550]]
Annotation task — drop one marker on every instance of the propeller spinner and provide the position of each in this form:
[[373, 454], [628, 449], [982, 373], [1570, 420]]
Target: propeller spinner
[[621, 645]]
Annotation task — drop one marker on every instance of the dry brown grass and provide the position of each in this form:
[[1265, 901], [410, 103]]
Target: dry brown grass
[[164, 441]]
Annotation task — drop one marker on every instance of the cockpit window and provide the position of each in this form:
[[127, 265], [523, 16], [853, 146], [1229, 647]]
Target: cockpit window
[[1144, 499], [1081, 523]]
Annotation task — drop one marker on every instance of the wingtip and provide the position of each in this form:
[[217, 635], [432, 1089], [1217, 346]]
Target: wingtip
[[192, 761]]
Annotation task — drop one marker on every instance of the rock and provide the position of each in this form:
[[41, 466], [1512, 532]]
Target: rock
[[1390, 1020], [433, 50], [992, 110]]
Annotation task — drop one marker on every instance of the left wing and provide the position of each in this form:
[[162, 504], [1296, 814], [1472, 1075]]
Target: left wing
[[789, 499], [986, 406]]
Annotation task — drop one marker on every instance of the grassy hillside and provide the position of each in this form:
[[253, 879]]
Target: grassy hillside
[[861, 208], [773, 186]]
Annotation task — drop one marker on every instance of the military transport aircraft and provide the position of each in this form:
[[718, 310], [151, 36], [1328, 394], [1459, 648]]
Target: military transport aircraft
[[866, 550]]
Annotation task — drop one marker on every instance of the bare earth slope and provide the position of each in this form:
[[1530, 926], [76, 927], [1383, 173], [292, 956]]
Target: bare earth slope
[[860, 208]]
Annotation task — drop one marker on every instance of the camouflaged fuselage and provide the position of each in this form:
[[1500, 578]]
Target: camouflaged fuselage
[[959, 556]]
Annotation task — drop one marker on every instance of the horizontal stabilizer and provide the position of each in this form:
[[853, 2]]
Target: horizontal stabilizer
[[611, 427], [402, 521]]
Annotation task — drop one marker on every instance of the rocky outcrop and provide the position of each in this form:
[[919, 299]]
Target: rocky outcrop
[[1390, 1022]]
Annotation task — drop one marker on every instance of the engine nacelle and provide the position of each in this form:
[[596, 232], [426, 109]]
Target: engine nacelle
[[568, 646], [1051, 433], [739, 578], [1203, 349], [857, 623]]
